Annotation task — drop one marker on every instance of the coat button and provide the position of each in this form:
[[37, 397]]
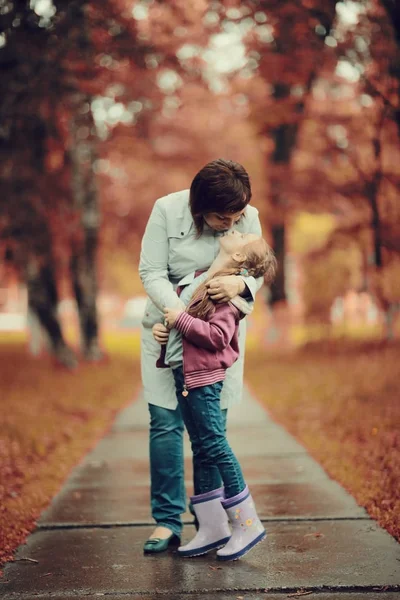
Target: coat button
[[182, 233]]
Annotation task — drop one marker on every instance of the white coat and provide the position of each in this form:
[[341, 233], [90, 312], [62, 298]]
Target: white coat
[[171, 253]]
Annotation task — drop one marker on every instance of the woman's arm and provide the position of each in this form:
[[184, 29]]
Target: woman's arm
[[153, 265], [244, 305]]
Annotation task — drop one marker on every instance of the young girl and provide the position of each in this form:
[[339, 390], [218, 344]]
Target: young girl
[[210, 346]]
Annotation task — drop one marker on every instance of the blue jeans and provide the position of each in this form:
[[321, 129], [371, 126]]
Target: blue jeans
[[213, 458], [168, 497]]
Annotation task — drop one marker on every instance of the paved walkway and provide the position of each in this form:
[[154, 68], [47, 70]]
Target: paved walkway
[[88, 544]]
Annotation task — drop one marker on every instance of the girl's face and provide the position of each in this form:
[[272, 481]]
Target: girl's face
[[234, 241], [222, 221]]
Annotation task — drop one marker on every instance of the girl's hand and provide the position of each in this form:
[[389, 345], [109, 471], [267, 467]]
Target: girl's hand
[[224, 288], [171, 315], [160, 333]]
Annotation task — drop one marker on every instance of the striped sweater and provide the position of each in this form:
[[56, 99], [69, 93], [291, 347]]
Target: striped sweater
[[209, 347]]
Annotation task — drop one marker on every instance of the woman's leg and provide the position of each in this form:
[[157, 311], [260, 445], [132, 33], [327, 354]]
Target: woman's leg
[[206, 476], [168, 498], [211, 432]]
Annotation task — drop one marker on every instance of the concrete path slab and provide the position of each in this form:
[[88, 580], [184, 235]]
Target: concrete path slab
[[294, 468], [131, 504], [263, 440], [258, 469], [234, 595], [321, 500], [340, 555]]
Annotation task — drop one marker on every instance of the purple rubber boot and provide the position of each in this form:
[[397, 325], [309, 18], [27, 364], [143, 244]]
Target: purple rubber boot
[[247, 529], [214, 529]]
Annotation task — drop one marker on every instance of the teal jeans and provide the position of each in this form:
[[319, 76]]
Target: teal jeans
[[168, 497]]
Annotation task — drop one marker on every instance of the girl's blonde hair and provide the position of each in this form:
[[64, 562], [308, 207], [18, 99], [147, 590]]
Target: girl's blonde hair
[[258, 260]]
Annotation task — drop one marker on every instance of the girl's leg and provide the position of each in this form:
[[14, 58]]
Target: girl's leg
[[168, 498], [208, 424], [211, 432], [210, 518], [247, 529], [206, 476]]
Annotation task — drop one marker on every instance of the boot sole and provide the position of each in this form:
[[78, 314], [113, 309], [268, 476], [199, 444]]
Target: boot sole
[[245, 550], [204, 549]]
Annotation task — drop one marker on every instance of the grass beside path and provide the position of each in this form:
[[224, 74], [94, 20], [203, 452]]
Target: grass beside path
[[49, 419], [341, 401]]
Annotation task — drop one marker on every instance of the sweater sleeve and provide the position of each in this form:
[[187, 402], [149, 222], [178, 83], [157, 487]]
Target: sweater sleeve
[[213, 335], [153, 265]]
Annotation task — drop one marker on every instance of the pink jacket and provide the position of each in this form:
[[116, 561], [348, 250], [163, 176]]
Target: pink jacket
[[209, 347]]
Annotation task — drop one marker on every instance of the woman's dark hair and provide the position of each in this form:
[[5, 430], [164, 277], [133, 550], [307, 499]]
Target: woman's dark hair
[[222, 186]]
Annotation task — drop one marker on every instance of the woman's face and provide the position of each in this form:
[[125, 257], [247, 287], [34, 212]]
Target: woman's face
[[234, 241], [222, 221]]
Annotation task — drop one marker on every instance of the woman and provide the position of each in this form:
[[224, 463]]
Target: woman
[[181, 238]]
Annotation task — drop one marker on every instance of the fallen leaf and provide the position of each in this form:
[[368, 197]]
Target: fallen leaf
[[381, 589], [28, 559]]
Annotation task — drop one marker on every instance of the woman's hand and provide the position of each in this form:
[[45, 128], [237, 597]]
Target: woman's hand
[[223, 289], [171, 315], [160, 333]]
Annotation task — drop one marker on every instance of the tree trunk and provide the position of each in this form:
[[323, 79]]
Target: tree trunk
[[277, 289], [30, 231], [389, 321], [393, 12], [84, 248], [85, 199], [376, 231], [373, 190], [42, 302], [84, 283], [285, 139]]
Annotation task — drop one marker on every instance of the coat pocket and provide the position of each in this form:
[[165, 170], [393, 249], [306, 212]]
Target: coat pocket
[[177, 228], [152, 315]]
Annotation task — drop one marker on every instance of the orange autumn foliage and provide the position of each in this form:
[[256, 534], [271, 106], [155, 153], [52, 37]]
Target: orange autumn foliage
[[340, 400], [49, 419]]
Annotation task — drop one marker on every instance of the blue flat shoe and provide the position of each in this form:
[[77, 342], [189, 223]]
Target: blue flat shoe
[[155, 545]]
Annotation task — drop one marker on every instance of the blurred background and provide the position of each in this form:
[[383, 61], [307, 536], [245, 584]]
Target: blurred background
[[108, 105]]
